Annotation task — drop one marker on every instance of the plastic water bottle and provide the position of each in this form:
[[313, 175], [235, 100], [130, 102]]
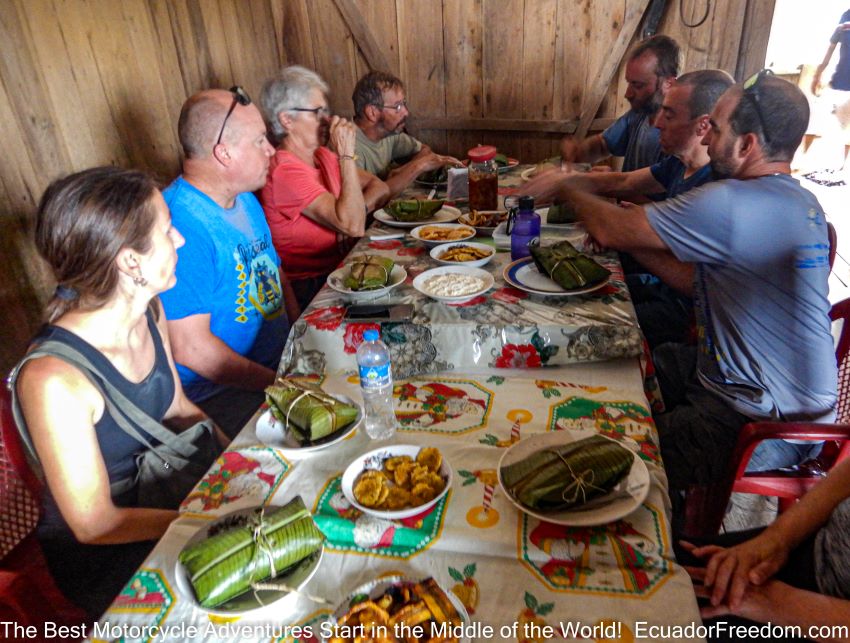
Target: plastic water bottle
[[376, 385], [525, 229]]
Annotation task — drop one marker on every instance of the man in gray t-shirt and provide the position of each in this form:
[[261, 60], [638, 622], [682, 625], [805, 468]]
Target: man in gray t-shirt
[[753, 253], [383, 148]]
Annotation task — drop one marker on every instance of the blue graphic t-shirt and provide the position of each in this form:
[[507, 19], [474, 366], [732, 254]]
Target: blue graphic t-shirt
[[228, 269], [670, 172], [760, 293]]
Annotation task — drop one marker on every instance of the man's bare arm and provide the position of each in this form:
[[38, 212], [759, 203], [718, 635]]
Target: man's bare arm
[[425, 160], [616, 184], [622, 227], [676, 274], [194, 346]]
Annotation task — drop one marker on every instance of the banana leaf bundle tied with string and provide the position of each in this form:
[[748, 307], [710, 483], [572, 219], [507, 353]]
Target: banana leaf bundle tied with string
[[411, 210], [236, 560], [568, 267], [368, 272], [554, 479], [307, 410]]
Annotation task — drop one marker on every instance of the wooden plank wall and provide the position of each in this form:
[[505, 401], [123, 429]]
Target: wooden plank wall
[[92, 82]]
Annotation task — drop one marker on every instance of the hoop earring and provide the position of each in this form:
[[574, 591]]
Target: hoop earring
[[140, 281]]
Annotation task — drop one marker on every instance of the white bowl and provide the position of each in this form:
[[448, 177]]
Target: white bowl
[[415, 233], [335, 282], [374, 460], [486, 277], [472, 263], [249, 601]]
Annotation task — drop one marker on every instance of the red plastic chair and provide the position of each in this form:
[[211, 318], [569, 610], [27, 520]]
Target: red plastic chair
[[28, 594], [705, 507]]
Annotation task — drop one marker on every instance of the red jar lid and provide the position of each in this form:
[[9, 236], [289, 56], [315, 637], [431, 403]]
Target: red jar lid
[[481, 153]]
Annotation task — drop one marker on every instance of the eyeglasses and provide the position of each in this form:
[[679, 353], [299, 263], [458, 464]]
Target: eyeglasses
[[240, 97], [751, 91], [397, 107], [318, 112]]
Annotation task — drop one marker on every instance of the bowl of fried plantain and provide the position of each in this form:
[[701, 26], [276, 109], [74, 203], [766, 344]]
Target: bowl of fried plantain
[[466, 253], [398, 481]]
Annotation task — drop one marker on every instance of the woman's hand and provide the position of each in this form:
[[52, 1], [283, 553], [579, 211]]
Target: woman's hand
[[343, 136], [731, 573]]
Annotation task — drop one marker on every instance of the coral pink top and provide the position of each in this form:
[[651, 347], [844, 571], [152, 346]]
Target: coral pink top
[[306, 248]]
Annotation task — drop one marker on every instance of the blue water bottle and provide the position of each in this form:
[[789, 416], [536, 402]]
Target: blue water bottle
[[524, 228], [376, 385]]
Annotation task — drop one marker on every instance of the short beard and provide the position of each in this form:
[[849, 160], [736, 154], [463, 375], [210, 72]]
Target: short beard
[[720, 170], [654, 103]]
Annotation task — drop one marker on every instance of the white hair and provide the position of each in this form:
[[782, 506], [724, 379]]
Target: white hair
[[287, 90]]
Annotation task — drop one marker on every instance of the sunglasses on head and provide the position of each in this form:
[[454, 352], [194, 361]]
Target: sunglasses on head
[[751, 91], [240, 97]]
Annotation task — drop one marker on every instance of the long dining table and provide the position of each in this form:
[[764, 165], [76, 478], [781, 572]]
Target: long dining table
[[518, 577], [505, 327]]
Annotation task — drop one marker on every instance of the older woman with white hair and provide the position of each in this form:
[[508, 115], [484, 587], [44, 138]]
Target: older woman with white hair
[[316, 199]]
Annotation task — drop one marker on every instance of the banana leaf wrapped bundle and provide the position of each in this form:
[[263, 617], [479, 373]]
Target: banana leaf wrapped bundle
[[368, 272], [567, 267], [410, 210], [561, 213], [555, 479], [307, 410], [231, 562]]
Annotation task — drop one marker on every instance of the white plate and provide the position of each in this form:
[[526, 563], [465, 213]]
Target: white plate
[[274, 433], [374, 460], [376, 588], [486, 277], [248, 601], [446, 214], [335, 281], [474, 263], [436, 242], [523, 274], [528, 174], [627, 496]]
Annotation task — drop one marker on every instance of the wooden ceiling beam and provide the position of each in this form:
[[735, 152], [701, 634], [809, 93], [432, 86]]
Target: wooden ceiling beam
[[369, 47]]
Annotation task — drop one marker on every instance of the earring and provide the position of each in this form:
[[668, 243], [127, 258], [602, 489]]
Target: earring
[[140, 281]]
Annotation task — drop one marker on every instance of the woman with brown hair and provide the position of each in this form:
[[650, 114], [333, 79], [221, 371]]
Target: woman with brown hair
[[107, 235]]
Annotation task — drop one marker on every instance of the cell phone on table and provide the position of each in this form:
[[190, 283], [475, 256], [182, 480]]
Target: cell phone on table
[[379, 312]]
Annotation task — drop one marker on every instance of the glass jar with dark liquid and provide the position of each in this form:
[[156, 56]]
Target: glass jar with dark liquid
[[483, 178]]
